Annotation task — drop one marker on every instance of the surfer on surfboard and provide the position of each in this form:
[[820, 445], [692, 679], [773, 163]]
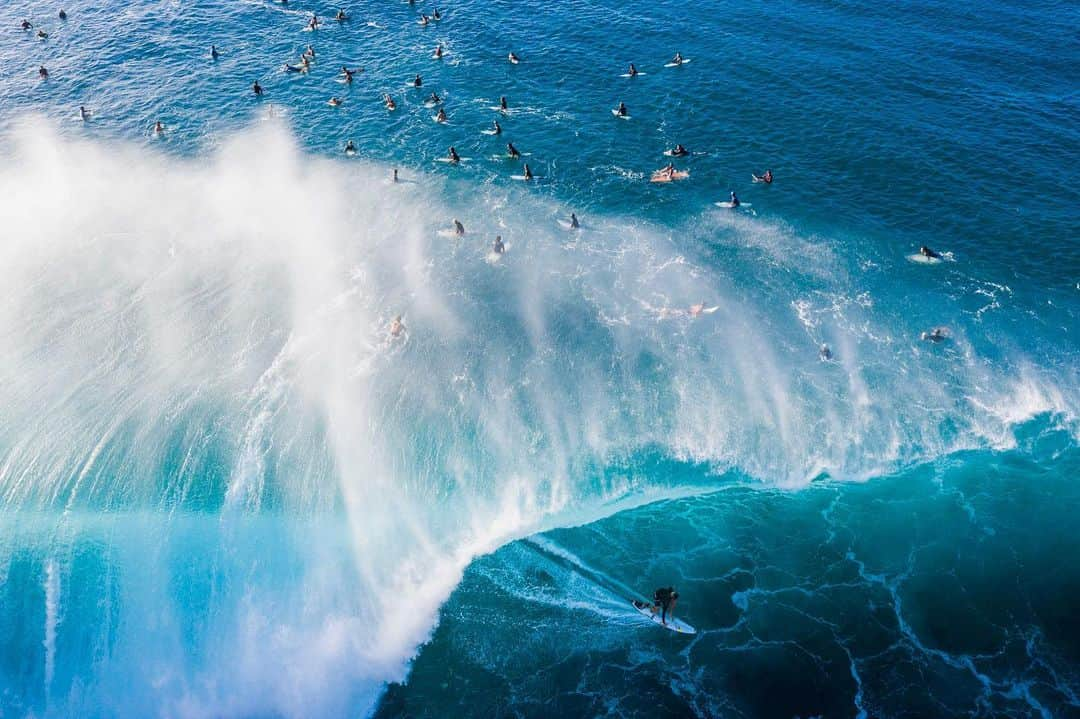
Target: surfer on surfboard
[[664, 599], [512, 151], [678, 59], [498, 248], [679, 151], [632, 72], [453, 156], [766, 177], [495, 127], [927, 252]]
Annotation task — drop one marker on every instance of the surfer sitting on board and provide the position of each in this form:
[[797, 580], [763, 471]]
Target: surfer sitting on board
[[632, 72], [496, 128], [453, 156], [678, 59], [417, 81], [766, 178], [350, 148], [502, 103], [459, 229], [734, 199], [622, 111], [528, 173], [927, 252], [434, 99], [513, 151], [679, 151], [514, 58]]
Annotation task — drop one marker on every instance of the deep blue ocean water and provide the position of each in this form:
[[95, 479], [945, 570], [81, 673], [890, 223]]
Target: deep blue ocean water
[[227, 490]]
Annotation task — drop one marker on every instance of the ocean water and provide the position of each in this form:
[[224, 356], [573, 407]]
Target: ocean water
[[227, 491]]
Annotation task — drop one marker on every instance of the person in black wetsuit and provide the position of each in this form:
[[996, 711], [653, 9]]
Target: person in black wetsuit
[[927, 252], [664, 599]]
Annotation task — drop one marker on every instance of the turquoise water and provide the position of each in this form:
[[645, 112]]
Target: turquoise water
[[226, 490]]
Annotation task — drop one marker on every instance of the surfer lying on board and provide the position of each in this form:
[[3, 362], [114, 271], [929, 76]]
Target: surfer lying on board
[[935, 335], [927, 252], [679, 151], [766, 178]]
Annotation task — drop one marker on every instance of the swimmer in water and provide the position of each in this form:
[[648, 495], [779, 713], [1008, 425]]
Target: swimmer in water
[[350, 148], [927, 252], [513, 58], [397, 327], [513, 151], [825, 353], [502, 103], [159, 127], [334, 102], [43, 73], [424, 20], [41, 34], [495, 127], [257, 88], [622, 111], [459, 229], [309, 52], [453, 156], [436, 15], [214, 54], [528, 172], [417, 81], [441, 115], [574, 224], [84, 114], [498, 248], [935, 335], [313, 23], [341, 16], [389, 102], [63, 15], [26, 25], [438, 52]]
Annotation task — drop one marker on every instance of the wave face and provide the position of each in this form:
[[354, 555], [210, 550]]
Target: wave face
[[228, 491]]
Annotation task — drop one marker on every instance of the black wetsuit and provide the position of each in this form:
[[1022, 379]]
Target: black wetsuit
[[663, 599]]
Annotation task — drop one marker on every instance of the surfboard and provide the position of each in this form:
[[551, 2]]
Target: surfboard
[[488, 132], [626, 74], [448, 161], [441, 122], [756, 178], [709, 310], [621, 117], [451, 233], [508, 156], [730, 206], [672, 153], [676, 64], [679, 175], [513, 60], [565, 224], [503, 110], [923, 259], [676, 625], [523, 178]]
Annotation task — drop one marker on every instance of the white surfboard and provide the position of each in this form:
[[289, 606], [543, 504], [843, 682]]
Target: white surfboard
[[923, 259], [730, 206], [441, 122], [451, 233], [626, 74], [671, 153], [676, 625], [676, 64], [565, 224], [448, 161], [523, 178], [621, 117]]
